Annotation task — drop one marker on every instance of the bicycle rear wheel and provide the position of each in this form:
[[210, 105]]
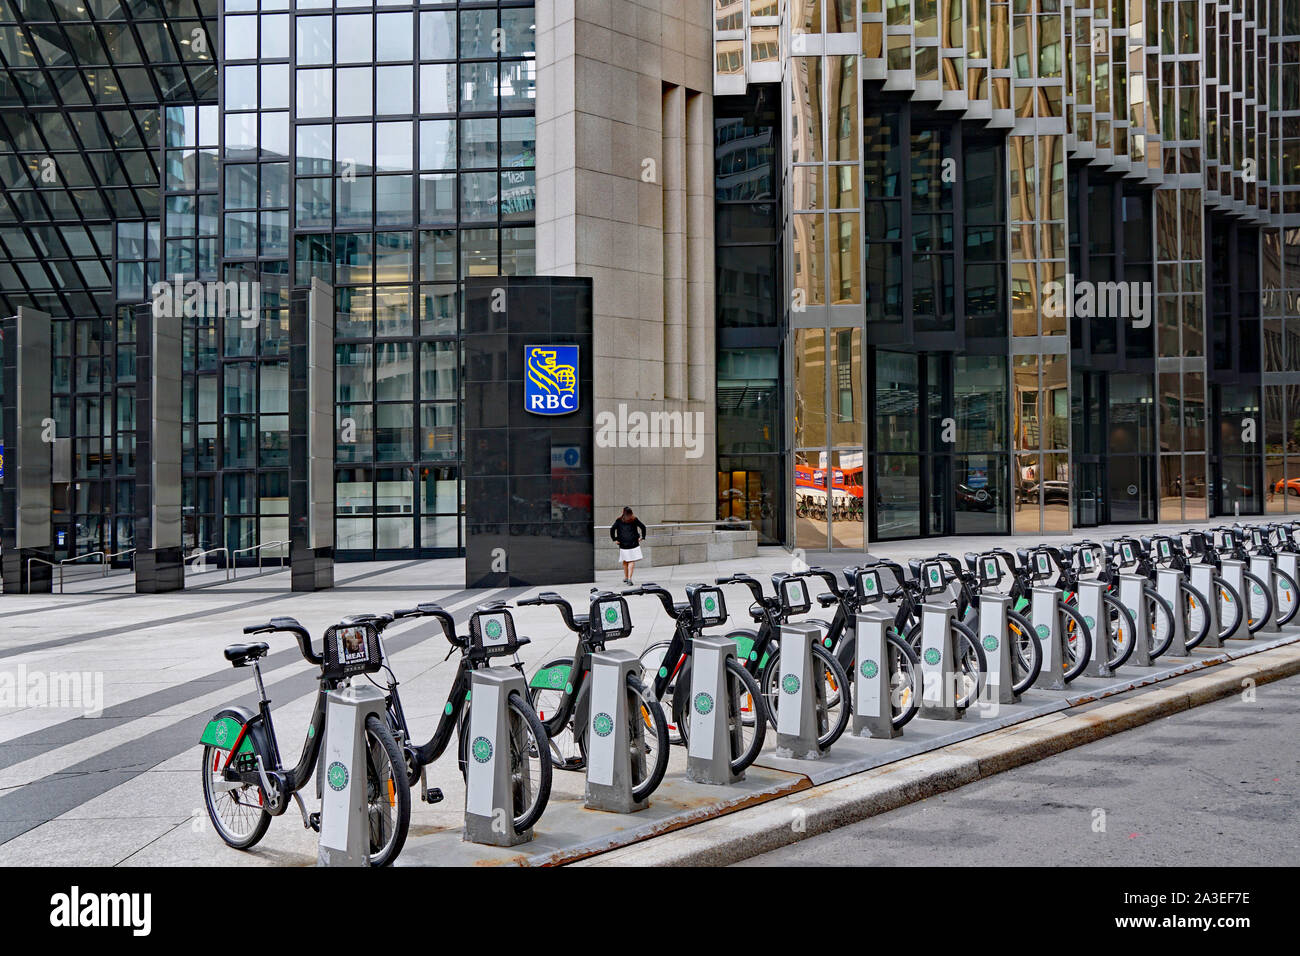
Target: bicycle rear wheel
[[235, 810]]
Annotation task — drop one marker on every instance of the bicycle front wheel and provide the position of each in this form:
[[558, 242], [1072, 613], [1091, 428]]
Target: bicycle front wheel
[[1286, 598], [1122, 628], [388, 793], [835, 686], [530, 761], [1026, 652], [652, 660], [1230, 607], [904, 673], [1078, 641], [746, 724], [1162, 622], [648, 729], [1259, 604], [972, 665], [1196, 614]]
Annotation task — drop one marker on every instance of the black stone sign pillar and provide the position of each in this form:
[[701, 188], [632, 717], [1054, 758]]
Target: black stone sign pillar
[[26, 431]]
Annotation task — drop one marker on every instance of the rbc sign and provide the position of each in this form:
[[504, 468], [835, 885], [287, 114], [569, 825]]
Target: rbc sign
[[551, 379]]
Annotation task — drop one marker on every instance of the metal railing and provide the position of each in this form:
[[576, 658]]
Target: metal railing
[[258, 548], [104, 555], [717, 524], [193, 559]]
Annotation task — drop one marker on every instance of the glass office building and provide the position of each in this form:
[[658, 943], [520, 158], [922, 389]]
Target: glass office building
[[1037, 264], [980, 266]]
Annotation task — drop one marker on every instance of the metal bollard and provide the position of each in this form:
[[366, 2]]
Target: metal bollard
[[715, 714], [613, 757], [1047, 626], [1095, 615], [1203, 581], [1132, 594], [489, 797], [1167, 583], [344, 812], [802, 694], [1261, 565], [873, 711], [1232, 575], [938, 663], [997, 648]]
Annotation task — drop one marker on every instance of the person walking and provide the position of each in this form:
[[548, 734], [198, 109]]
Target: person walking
[[628, 531]]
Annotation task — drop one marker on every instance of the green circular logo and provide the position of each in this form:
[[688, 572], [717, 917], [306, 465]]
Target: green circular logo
[[869, 669], [869, 584], [481, 748], [221, 732], [790, 684], [1043, 632], [568, 688], [710, 605], [337, 776], [1088, 619], [602, 724], [932, 656], [556, 679], [1257, 589], [494, 629], [990, 643], [663, 672], [703, 703], [611, 614], [753, 655]]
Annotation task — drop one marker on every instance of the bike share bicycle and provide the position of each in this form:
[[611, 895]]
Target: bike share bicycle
[[1130, 557], [1285, 591], [669, 661], [244, 782], [1049, 565], [560, 692], [491, 635], [1163, 551], [1257, 595]]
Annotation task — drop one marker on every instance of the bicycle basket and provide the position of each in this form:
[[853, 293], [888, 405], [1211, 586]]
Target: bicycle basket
[[610, 618], [351, 649], [492, 633], [794, 596], [707, 604]]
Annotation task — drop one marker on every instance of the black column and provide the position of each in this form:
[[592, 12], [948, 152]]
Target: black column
[[159, 556], [311, 438], [26, 432], [528, 476]]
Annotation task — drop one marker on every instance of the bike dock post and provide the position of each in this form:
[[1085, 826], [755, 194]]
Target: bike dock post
[[1289, 563], [1261, 565], [802, 694], [1167, 583], [1233, 576], [938, 664], [873, 712], [715, 714], [611, 756], [997, 648], [344, 813], [1133, 595], [1095, 615], [489, 801], [1203, 581], [1046, 619]]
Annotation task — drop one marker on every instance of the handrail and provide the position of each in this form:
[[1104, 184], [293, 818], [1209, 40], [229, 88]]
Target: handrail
[[43, 561], [256, 547], [203, 554], [73, 560]]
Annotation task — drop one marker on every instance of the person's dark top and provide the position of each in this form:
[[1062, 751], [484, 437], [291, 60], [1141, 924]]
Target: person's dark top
[[628, 534]]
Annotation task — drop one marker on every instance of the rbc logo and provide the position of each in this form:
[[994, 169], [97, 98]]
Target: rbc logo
[[551, 382]]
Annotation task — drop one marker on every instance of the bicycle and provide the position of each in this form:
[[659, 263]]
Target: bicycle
[[491, 634], [1164, 551], [840, 636], [1036, 568], [1130, 556], [1285, 590], [761, 649], [244, 782], [1229, 601], [669, 662], [561, 689], [1258, 605]]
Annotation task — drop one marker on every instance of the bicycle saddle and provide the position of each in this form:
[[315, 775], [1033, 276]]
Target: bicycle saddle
[[241, 655]]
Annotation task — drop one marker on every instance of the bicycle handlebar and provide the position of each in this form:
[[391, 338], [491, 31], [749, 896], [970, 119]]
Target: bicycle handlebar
[[755, 586], [554, 599], [654, 590], [288, 625]]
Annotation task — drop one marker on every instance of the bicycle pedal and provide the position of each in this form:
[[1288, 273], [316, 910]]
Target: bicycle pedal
[[313, 821], [572, 763], [434, 795]]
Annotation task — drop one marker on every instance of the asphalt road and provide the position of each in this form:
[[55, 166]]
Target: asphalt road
[[1218, 785]]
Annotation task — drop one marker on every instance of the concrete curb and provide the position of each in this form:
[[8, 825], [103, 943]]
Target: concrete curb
[[750, 832]]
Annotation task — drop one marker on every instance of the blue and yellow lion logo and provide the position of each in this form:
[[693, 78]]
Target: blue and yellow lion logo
[[551, 382]]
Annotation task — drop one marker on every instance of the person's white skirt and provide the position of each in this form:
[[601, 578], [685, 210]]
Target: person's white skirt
[[630, 554]]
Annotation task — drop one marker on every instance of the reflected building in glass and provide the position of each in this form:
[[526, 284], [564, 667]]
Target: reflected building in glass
[[1036, 264]]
